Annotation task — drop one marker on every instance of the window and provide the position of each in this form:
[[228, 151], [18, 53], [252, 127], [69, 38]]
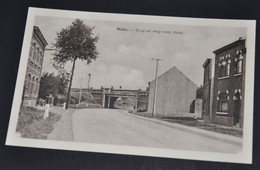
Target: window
[[222, 101], [239, 61], [32, 86], [237, 95], [34, 54], [33, 50], [224, 66], [30, 53], [40, 61], [38, 54], [228, 67], [223, 106], [27, 86], [36, 86]]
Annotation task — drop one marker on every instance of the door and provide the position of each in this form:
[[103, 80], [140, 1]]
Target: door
[[237, 107]]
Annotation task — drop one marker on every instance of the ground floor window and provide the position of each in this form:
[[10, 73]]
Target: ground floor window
[[223, 106], [222, 101]]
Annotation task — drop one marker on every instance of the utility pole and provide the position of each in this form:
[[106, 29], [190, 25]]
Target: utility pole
[[80, 90], [156, 83], [89, 75]]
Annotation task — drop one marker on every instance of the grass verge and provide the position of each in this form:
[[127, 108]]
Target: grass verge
[[31, 123], [196, 123]]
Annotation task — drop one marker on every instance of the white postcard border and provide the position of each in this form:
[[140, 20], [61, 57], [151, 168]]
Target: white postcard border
[[243, 157]]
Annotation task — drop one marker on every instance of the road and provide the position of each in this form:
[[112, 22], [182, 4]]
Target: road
[[110, 126]]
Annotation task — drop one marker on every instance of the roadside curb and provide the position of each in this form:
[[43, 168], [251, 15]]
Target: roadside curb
[[209, 134], [57, 110], [54, 109]]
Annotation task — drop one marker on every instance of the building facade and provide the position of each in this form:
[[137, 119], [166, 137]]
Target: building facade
[[207, 95], [62, 73], [223, 95], [34, 67], [175, 93]]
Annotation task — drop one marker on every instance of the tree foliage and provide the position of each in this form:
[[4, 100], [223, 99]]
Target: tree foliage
[[199, 92], [77, 41], [54, 85], [48, 85]]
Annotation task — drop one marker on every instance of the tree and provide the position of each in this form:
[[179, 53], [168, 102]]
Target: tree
[[62, 85], [199, 92], [54, 85], [48, 85], [77, 41]]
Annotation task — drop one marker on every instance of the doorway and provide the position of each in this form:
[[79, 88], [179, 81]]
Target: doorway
[[237, 107]]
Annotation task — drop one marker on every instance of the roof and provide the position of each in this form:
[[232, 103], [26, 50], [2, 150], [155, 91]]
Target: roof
[[206, 62], [177, 70], [235, 43], [38, 32]]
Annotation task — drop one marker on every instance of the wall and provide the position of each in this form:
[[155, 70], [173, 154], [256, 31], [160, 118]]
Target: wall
[[175, 93], [230, 83], [207, 91], [33, 71]]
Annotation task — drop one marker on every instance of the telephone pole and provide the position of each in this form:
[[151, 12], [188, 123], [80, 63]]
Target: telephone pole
[[80, 90], [156, 83]]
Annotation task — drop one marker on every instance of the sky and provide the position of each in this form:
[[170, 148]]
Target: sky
[[125, 57]]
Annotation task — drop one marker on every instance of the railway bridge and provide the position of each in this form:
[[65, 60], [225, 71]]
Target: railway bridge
[[107, 97]]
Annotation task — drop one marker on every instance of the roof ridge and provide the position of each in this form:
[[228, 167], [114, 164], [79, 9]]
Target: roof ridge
[[175, 68]]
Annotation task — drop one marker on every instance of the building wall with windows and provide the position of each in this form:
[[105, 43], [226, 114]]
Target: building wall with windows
[[34, 67], [228, 91]]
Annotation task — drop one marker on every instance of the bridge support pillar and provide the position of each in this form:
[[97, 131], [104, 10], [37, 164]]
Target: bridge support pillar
[[103, 97], [103, 100], [136, 103], [108, 102]]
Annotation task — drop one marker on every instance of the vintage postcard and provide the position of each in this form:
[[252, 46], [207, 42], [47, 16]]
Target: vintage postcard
[[139, 85]]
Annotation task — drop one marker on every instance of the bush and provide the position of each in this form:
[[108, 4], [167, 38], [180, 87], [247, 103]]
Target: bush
[[31, 123], [27, 115]]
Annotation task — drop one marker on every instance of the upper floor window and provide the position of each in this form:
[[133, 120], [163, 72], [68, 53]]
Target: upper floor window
[[224, 66], [34, 54], [239, 61], [37, 58], [30, 52]]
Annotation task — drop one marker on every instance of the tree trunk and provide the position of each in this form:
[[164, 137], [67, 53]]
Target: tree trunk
[[71, 77]]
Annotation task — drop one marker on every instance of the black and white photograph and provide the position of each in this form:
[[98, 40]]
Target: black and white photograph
[[145, 85]]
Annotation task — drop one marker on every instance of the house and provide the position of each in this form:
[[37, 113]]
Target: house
[[175, 93], [34, 67], [223, 93], [60, 71]]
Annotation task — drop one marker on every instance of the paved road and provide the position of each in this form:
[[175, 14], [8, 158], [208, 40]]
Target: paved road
[[63, 130], [109, 126]]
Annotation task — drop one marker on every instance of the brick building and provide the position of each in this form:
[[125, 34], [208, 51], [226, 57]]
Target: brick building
[[34, 67], [175, 93], [223, 100]]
